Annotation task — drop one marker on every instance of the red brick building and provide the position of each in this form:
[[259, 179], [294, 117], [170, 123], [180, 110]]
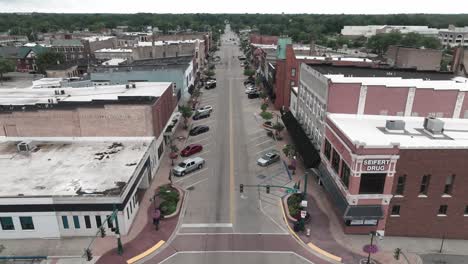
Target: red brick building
[[108, 111], [403, 176], [263, 39]]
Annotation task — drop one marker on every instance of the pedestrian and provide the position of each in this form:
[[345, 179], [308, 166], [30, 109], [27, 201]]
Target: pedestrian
[[156, 218]]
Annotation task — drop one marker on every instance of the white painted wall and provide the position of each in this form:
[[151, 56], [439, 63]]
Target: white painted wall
[[45, 226]]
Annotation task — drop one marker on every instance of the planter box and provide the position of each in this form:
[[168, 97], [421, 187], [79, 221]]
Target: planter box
[[179, 204]]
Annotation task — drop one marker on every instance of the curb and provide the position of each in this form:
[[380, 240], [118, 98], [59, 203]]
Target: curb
[[146, 252], [315, 250]]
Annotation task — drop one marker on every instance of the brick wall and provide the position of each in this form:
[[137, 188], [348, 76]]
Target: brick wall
[[110, 120], [418, 216], [263, 39]]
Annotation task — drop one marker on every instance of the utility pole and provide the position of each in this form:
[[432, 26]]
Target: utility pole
[[372, 233]]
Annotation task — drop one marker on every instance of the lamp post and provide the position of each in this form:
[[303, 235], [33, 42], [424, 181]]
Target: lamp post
[[372, 233]]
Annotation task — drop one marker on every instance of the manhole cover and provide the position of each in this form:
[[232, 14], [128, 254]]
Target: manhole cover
[[261, 176], [191, 188]]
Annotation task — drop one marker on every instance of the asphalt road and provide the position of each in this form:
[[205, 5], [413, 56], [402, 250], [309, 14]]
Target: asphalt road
[[215, 216]]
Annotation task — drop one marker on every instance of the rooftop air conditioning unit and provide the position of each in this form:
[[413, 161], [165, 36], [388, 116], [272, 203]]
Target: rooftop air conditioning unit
[[395, 125], [127, 86], [133, 85], [434, 125], [25, 146]]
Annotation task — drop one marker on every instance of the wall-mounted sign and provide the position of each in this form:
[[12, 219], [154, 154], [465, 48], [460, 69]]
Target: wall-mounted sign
[[373, 165]]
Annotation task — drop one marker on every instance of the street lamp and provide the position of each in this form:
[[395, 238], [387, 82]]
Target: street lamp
[[372, 234]]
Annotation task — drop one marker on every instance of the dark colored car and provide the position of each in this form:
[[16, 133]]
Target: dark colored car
[[210, 85], [201, 115], [198, 130], [191, 149], [253, 95]]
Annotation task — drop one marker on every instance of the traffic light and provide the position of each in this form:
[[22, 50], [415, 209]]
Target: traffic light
[[102, 230], [89, 254], [268, 189], [396, 253], [241, 188]]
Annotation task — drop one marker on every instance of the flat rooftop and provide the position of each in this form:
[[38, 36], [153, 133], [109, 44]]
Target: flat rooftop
[[69, 167], [114, 50], [369, 130], [167, 42], [360, 71], [144, 92]]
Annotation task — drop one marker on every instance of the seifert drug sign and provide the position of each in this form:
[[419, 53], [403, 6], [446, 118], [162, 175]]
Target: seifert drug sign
[[374, 165]]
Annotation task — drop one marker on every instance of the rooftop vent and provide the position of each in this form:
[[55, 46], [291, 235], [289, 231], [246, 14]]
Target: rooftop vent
[[395, 125], [133, 85], [434, 125], [25, 146], [127, 86]]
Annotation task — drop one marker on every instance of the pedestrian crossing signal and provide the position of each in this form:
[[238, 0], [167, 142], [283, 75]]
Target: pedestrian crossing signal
[[268, 189], [241, 188]]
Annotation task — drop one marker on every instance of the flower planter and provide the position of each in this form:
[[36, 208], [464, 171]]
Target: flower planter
[[179, 204]]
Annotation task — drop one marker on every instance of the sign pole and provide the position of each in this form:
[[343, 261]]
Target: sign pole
[[117, 232]]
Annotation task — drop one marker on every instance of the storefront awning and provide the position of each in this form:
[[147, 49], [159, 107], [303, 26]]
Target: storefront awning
[[349, 212], [304, 146], [364, 212]]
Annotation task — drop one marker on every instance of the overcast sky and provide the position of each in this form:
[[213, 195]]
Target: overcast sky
[[236, 6]]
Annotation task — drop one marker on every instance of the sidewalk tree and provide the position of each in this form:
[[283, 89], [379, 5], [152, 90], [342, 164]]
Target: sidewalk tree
[[249, 72], [5, 66], [289, 150], [173, 155], [264, 107], [210, 73], [266, 115], [186, 112], [278, 127]]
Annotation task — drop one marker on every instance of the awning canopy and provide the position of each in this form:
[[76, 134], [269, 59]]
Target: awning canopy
[[349, 212], [364, 212], [304, 146]]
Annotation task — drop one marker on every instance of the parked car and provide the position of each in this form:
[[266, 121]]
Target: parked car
[[191, 149], [253, 95], [206, 108], [268, 158], [210, 84], [188, 166], [199, 116], [199, 130], [251, 90]]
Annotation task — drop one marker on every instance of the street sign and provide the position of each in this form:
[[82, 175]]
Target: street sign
[[303, 214], [304, 203]]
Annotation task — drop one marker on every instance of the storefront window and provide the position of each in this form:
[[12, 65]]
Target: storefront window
[[362, 222], [336, 161], [345, 173], [372, 183]]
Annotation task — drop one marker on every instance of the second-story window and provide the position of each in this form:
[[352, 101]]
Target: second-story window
[[424, 184], [327, 149], [400, 188], [449, 184], [345, 173], [293, 72]]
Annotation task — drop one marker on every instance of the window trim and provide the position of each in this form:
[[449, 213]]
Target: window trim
[[424, 184], [400, 186], [76, 221], [392, 214], [12, 223], [24, 226], [88, 223], [444, 213]]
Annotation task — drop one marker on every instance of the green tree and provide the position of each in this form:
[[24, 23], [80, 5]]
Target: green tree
[[278, 127], [186, 112], [5, 66], [264, 107], [266, 115], [289, 150], [48, 58], [249, 72]]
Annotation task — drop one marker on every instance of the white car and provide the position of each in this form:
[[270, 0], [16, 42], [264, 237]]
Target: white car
[[268, 158], [188, 165], [206, 108]]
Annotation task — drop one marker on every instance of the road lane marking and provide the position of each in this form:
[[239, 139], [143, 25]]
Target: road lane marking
[[231, 157], [267, 141], [193, 184], [239, 252], [207, 225], [233, 233]]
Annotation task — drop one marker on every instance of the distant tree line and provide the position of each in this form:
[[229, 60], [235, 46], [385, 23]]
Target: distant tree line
[[300, 27]]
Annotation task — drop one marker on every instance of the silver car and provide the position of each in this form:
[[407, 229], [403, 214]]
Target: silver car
[[268, 158]]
